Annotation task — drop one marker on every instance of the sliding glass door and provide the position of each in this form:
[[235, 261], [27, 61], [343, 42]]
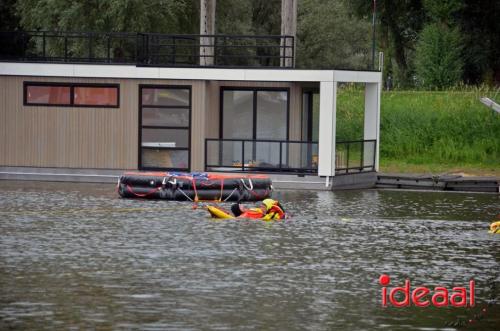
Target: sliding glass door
[[165, 127], [254, 114]]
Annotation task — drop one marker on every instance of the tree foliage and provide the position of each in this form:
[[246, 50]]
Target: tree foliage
[[167, 16], [331, 37], [399, 23], [9, 21], [479, 21], [331, 33], [442, 10], [439, 62]]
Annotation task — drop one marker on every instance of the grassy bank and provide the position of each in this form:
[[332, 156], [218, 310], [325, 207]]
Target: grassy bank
[[429, 131]]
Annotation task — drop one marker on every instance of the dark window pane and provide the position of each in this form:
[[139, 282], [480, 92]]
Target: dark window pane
[[96, 96], [165, 116], [238, 115], [165, 97], [165, 138], [48, 95], [164, 158], [271, 115]]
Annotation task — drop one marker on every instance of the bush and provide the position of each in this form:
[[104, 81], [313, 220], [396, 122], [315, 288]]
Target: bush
[[439, 62]]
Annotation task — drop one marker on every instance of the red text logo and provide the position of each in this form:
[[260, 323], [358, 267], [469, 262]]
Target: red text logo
[[422, 296]]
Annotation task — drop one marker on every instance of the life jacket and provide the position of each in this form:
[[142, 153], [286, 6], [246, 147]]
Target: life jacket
[[274, 213], [252, 213]]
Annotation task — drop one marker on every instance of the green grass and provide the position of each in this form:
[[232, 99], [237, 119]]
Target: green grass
[[437, 130]]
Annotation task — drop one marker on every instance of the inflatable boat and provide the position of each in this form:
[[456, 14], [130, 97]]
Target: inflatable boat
[[199, 186]]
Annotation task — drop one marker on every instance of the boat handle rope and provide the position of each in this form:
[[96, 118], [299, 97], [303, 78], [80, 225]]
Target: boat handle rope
[[222, 188], [249, 182], [172, 182], [187, 196], [234, 190]]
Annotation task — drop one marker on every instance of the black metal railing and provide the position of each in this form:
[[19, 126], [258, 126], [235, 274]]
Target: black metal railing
[[261, 155], [148, 49], [355, 156], [286, 156]]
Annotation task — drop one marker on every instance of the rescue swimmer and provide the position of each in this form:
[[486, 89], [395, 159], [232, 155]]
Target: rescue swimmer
[[269, 210]]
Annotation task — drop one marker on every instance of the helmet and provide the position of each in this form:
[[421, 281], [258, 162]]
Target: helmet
[[269, 203]]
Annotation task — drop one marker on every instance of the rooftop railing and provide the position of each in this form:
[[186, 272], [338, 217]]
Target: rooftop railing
[[148, 49]]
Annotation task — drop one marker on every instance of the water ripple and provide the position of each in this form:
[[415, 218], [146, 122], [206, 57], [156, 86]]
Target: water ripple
[[77, 256]]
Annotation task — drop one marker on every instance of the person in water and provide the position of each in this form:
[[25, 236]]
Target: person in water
[[269, 210]]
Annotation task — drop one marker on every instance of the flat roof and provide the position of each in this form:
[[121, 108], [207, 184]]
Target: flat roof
[[137, 72]]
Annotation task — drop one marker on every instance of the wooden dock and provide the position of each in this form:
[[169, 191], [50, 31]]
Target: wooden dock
[[439, 182]]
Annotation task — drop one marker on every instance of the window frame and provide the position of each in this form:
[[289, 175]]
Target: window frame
[[254, 90], [72, 86], [140, 165]]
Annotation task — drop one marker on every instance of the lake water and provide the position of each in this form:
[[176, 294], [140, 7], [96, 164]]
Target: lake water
[[76, 256]]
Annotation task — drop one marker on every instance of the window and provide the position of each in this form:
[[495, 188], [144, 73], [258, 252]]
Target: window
[[238, 114], [253, 113], [165, 127], [96, 96], [48, 95], [71, 94], [254, 123]]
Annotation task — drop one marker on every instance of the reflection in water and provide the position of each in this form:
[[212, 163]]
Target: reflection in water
[[76, 255]]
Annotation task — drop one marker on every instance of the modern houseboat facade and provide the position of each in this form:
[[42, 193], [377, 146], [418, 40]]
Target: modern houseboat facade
[[159, 109]]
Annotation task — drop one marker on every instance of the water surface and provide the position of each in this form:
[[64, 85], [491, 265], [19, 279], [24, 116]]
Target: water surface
[[76, 256]]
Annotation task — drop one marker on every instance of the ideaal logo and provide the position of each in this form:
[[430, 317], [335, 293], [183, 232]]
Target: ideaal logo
[[423, 296]]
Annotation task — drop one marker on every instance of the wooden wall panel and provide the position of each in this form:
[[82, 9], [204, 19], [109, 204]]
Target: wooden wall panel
[[73, 137], [105, 138], [198, 118], [3, 121], [295, 112]]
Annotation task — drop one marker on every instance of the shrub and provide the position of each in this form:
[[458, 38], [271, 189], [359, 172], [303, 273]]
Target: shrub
[[439, 62]]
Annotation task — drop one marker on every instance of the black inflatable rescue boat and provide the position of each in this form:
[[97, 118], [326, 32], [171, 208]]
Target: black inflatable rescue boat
[[199, 186]]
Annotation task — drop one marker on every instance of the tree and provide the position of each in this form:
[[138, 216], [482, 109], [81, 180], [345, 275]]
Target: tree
[[10, 45], [256, 17], [439, 62], [399, 24], [331, 37], [479, 23], [233, 17], [172, 16], [8, 19]]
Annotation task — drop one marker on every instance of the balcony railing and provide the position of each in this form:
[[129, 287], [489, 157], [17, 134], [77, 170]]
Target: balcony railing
[[261, 155], [286, 156], [355, 156], [148, 49]]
